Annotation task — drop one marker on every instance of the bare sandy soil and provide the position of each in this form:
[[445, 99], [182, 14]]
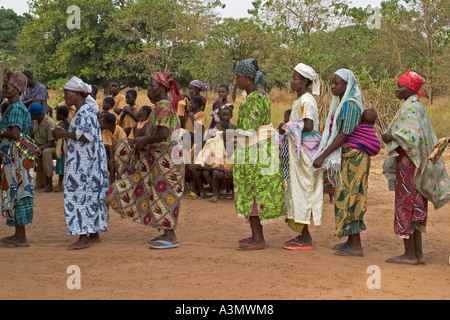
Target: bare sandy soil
[[208, 266]]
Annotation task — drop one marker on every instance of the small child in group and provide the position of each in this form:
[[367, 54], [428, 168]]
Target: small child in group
[[226, 115], [285, 145], [108, 107], [138, 129], [221, 176], [111, 132], [62, 115], [196, 105], [128, 115], [364, 137]]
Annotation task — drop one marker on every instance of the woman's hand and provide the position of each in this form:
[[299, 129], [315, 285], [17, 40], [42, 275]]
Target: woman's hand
[[139, 143], [58, 132], [387, 137], [318, 162]]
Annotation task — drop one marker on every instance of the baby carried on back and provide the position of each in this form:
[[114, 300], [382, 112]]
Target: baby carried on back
[[364, 137]]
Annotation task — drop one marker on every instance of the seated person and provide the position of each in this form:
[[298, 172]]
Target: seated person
[[213, 166], [364, 137], [128, 116], [138, 129], [43, 136], [111, 132]]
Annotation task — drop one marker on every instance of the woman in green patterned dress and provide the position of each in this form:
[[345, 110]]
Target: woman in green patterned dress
[[259, 183]]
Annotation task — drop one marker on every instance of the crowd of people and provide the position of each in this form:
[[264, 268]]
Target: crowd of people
[[140, 160]]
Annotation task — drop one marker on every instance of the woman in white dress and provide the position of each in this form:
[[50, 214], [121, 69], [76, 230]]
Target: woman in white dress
[[86, 168], [304, 193]]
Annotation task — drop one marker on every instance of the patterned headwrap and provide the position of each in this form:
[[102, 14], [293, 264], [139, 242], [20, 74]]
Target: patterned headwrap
[[18, 80], [250, 68], [200, 85], [412, 80], [170, 85]]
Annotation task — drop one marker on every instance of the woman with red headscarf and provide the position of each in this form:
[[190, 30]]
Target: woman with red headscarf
[[151, 171], [409, 171]]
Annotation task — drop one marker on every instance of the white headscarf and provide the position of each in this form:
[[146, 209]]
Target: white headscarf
[[76, 84], [309, 73]]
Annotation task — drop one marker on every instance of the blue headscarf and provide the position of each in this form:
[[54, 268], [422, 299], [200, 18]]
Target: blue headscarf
[[250, 68]]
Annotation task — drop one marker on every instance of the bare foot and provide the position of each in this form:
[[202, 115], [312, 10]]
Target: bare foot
[[214, 199], [16, 243], [402, 260], [80, 244], [94, 237]]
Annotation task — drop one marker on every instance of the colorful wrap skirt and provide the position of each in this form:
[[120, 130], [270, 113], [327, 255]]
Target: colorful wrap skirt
[[410, 205], [150, 184], [350, 202]]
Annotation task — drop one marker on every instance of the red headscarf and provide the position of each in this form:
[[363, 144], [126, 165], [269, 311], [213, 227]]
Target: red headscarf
[[412, 80], [170, 85]]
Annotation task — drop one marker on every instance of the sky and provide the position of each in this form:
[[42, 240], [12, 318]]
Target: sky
[[234, 8]]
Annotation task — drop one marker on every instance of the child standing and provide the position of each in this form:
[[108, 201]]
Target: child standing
[[138, 129], [108, 107], [62, 115], [217, 108], [196, 105], [226, 115], [111, 132], [128, 115], [221, 175]]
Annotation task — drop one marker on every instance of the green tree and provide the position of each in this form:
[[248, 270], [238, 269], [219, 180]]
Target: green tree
[[58, 51], [422, 26], [11, 25]]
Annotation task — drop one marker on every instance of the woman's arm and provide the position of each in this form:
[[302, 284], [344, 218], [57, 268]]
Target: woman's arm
[[59, 132], [337, 143], [160, 135], [12, 133]]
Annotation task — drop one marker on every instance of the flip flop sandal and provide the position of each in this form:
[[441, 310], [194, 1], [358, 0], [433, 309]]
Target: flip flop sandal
[[160, 237], [249, 247], [245, 240], [162, 244], [337, 246], [346, 253], [396, 259], [297, 246]]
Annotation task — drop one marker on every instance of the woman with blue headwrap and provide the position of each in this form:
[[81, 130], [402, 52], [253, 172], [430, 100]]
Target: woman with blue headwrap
[[347, 168], [257, 174]]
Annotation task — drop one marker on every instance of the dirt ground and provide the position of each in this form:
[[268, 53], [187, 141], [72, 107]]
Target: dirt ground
[[208, 266]]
